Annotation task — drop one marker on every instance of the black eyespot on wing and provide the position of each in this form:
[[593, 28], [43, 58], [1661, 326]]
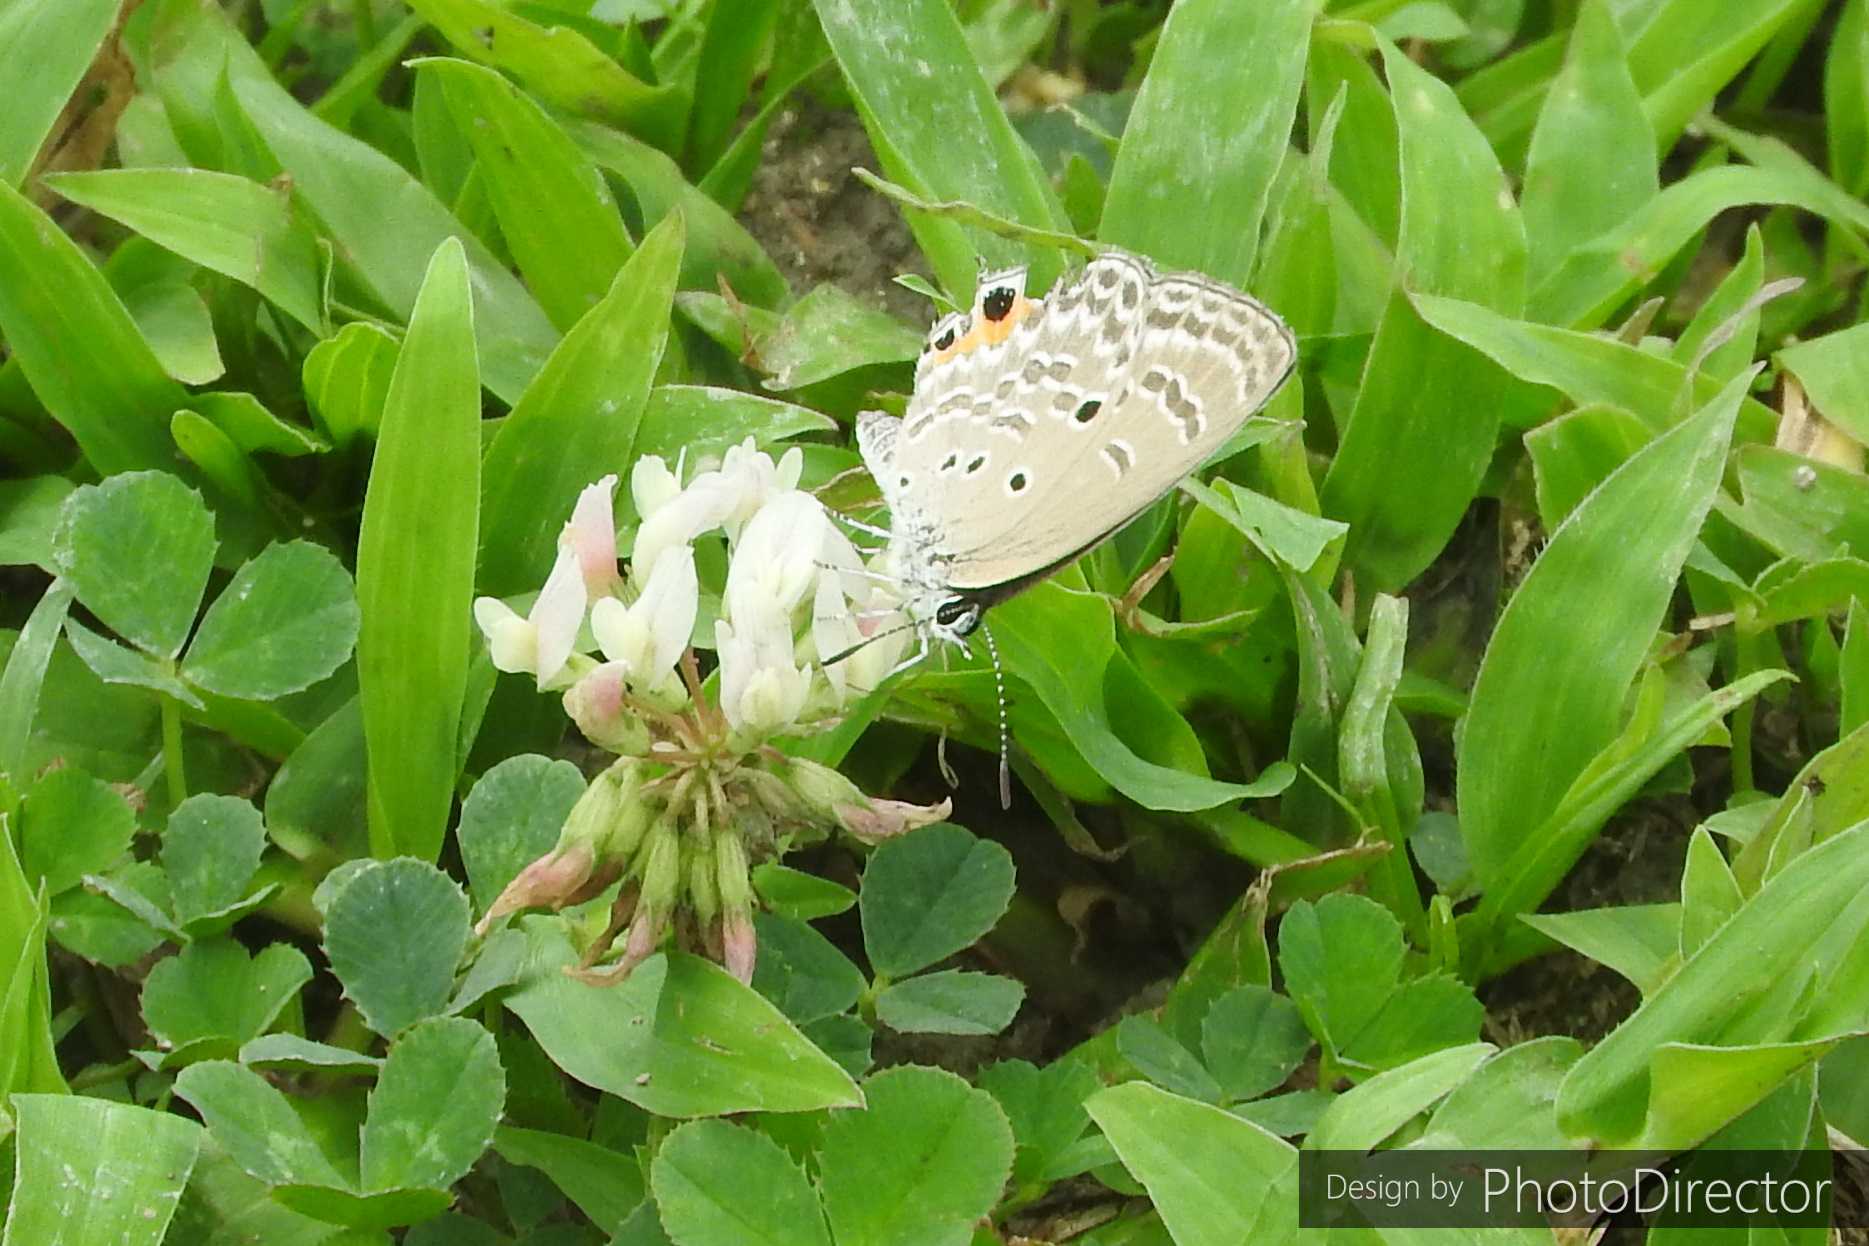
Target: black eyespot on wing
[[997, 303], [1088, 412], [1016, 482], [979, 461], [946, 339], [947, 464]]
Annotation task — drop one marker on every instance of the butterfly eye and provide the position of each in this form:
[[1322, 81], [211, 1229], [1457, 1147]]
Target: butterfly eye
[[959, 614]]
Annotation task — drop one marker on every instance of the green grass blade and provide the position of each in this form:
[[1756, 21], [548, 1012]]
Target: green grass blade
[[232, 225], [78, 347], [554, 209], [1421, 432], [578, 420], [940, 132], [1555, 676], [415, 567], [1210, 126], [45, 47]]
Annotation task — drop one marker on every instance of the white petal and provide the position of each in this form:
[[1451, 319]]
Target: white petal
[[652, 484], [558, 613], [512, 642], [703, 505], [791, 467], [667, 607], [776, 560], [737, 665], [622, 635]]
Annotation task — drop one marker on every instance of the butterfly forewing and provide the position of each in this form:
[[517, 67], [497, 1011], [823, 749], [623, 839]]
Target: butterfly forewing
[[1020, 455]]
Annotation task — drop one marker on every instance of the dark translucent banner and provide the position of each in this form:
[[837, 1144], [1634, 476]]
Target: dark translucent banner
[[1503, 1189]]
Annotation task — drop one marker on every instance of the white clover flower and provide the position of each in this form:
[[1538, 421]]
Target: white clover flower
[[541, 643], [778, 556], [754, 479], [649, 636], [762, 690], [652, 484]]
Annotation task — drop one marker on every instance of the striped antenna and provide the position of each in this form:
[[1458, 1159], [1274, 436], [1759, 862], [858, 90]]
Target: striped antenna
[[999, 694]]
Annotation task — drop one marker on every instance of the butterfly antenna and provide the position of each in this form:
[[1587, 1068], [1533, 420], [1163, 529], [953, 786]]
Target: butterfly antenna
[[999, 695], [839, 656]]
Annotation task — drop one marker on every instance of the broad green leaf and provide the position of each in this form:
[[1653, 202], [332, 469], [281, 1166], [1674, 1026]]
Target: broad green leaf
[[718, 249], [28, 514], [1341, 959], [1738, 989], [1621, 551], [1363, 1116], [415, 567], [922, 1160], [1045, 1105], [95, 1171], [951, 1002], [383, 224], [1159, 1056], [235, 226], [1205, 137], [1592, 159], [295, 1054], [828, 333], [1854, 675], [434, 1107], [1709, 892], [98, 929], [138, 549], [214, 990], [78, 347], [287, 620], [1638, 941], [802, 971], [678, 1037], [1835, 376], [577, 421], [1507, 1101], [1216, 1180], [1698, 1090], [559, 65], [1421, 432], [1291, 536], [118, 664], [555, 211], [717, 1183], [23, 679], [1061, 643], [1723, 335], [72, 825], [395, 934], [45, 48], [705, 420], [939, 132], [1252, 1040], [173, 318], [347, 379], [798, 895], [210, 849], [929, 894], [511, 818], [255, 1124], [606, 1185], [317, 799]]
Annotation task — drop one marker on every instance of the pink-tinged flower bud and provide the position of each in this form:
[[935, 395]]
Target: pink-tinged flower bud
[[739, 945], [591, 535], [876, 820], [595, 704], [661, 868], [734, 885], [548, 882]]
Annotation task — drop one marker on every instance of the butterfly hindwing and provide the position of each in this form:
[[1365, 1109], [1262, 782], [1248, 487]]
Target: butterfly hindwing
[[1018, 455]]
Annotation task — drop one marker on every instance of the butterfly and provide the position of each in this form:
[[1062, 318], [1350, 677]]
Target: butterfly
[[1039, 427]]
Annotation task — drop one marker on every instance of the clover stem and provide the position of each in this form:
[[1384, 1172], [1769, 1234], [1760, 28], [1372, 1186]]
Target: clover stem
[[172, 750]]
